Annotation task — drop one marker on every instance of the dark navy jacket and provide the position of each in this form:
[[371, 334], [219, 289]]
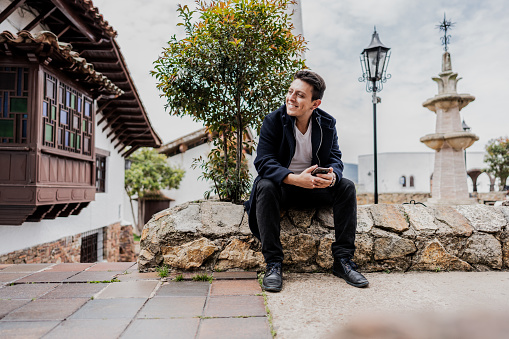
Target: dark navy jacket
[[276, 148]]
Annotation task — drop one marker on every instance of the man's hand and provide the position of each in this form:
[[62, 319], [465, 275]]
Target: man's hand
[[306, 180]]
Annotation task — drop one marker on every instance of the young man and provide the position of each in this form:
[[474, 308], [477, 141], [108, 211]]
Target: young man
[[294, 140]]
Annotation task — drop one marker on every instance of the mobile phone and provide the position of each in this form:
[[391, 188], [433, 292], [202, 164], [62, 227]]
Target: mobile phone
[[320, 170]]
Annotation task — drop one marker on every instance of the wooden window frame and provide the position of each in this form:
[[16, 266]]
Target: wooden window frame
[[100, 173]]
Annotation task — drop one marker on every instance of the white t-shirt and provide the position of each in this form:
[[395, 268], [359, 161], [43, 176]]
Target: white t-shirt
[[303, 151]]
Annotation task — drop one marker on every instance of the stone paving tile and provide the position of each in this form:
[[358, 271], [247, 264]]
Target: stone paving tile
[[25, 291], [133, 268], [235, 306], [6, 278], [235, 328], [235, 275], [89, 328], [87, 276], [74, 291], [46, 277], [110, 309], [129, 289], [7, 306], [138, 276], [111, 266], [184, 289], [46, 309], [173, 307], [25, 268], [71, 267], [162, 328], [2, 266], [235, 287], [26, 329]]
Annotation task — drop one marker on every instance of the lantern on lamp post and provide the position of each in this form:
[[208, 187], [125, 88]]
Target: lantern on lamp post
[[374, 62]]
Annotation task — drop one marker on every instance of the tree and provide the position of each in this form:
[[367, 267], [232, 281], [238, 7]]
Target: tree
[[497, 159], [232, 68], [149, 172]]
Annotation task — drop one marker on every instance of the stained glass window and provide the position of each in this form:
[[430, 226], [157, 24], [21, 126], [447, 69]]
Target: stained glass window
[[14, 109], [69, 113]]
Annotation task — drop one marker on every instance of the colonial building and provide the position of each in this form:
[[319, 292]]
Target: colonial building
[[412, 172], [69, 115]]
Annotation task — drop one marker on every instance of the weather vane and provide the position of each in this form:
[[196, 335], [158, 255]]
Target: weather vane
[[444, 26]]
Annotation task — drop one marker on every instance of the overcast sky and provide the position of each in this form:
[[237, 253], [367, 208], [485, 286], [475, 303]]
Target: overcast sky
[[337, 31]]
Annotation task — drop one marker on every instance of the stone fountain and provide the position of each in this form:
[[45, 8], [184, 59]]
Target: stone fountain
[[449, 185]]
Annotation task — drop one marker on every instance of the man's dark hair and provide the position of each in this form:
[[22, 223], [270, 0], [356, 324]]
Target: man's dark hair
[[314, 80]]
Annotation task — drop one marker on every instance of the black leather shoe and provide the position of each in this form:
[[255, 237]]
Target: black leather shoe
[[273, 279], [345, 268]]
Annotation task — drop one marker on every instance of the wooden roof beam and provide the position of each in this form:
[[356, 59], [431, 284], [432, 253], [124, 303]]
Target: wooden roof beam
[[111, 122], [38, 19], [72, 15], [10, 9]]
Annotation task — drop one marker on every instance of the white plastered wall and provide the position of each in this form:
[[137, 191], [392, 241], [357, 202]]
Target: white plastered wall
[[392, 166]]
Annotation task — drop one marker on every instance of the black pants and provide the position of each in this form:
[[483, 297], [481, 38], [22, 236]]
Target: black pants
[[271, 198]]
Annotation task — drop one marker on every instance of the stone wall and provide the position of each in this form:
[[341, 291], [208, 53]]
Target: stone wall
[[118, 245], [400, 198], [392, 198], [64, 250], [215, 235]]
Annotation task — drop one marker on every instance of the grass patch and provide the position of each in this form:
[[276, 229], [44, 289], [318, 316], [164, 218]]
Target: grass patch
[[203, 277], [103, 281], [273, 332], [163, 271], [179, 277]]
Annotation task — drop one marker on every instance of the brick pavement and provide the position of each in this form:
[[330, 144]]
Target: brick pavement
[[114, 300]]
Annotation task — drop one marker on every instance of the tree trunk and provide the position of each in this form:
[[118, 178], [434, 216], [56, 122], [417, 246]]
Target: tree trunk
[[238, 159], [135, 222], [141, 216]]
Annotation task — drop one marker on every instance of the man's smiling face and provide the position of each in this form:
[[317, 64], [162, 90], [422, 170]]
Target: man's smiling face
[[299, 100]]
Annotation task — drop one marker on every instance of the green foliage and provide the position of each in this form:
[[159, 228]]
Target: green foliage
[[203, 277], [497, 159], [179, 277], [150, 172], [232, 68], [226, 183], [162, 271]]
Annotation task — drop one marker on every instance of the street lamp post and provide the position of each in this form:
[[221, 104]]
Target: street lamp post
[[374, 62]]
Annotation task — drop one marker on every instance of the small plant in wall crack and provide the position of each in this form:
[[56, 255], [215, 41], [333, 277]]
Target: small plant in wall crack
[[163, 271]]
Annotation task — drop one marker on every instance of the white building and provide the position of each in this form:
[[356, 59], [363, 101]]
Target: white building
[[412, 172]]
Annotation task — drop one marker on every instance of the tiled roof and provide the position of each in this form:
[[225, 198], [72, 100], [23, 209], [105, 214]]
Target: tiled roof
[[77, 64], [93, 12]]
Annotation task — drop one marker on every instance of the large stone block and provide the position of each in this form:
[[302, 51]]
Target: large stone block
[[363, 249], [420, 218], [301, 217], [483, 218], [390, 246], [452, 222], [324, 256], [433, 257], [325, 217], [389, 217], [237, 254], [189, 255], [364, 219], [220, 218], [483, 249], [298, 248]]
